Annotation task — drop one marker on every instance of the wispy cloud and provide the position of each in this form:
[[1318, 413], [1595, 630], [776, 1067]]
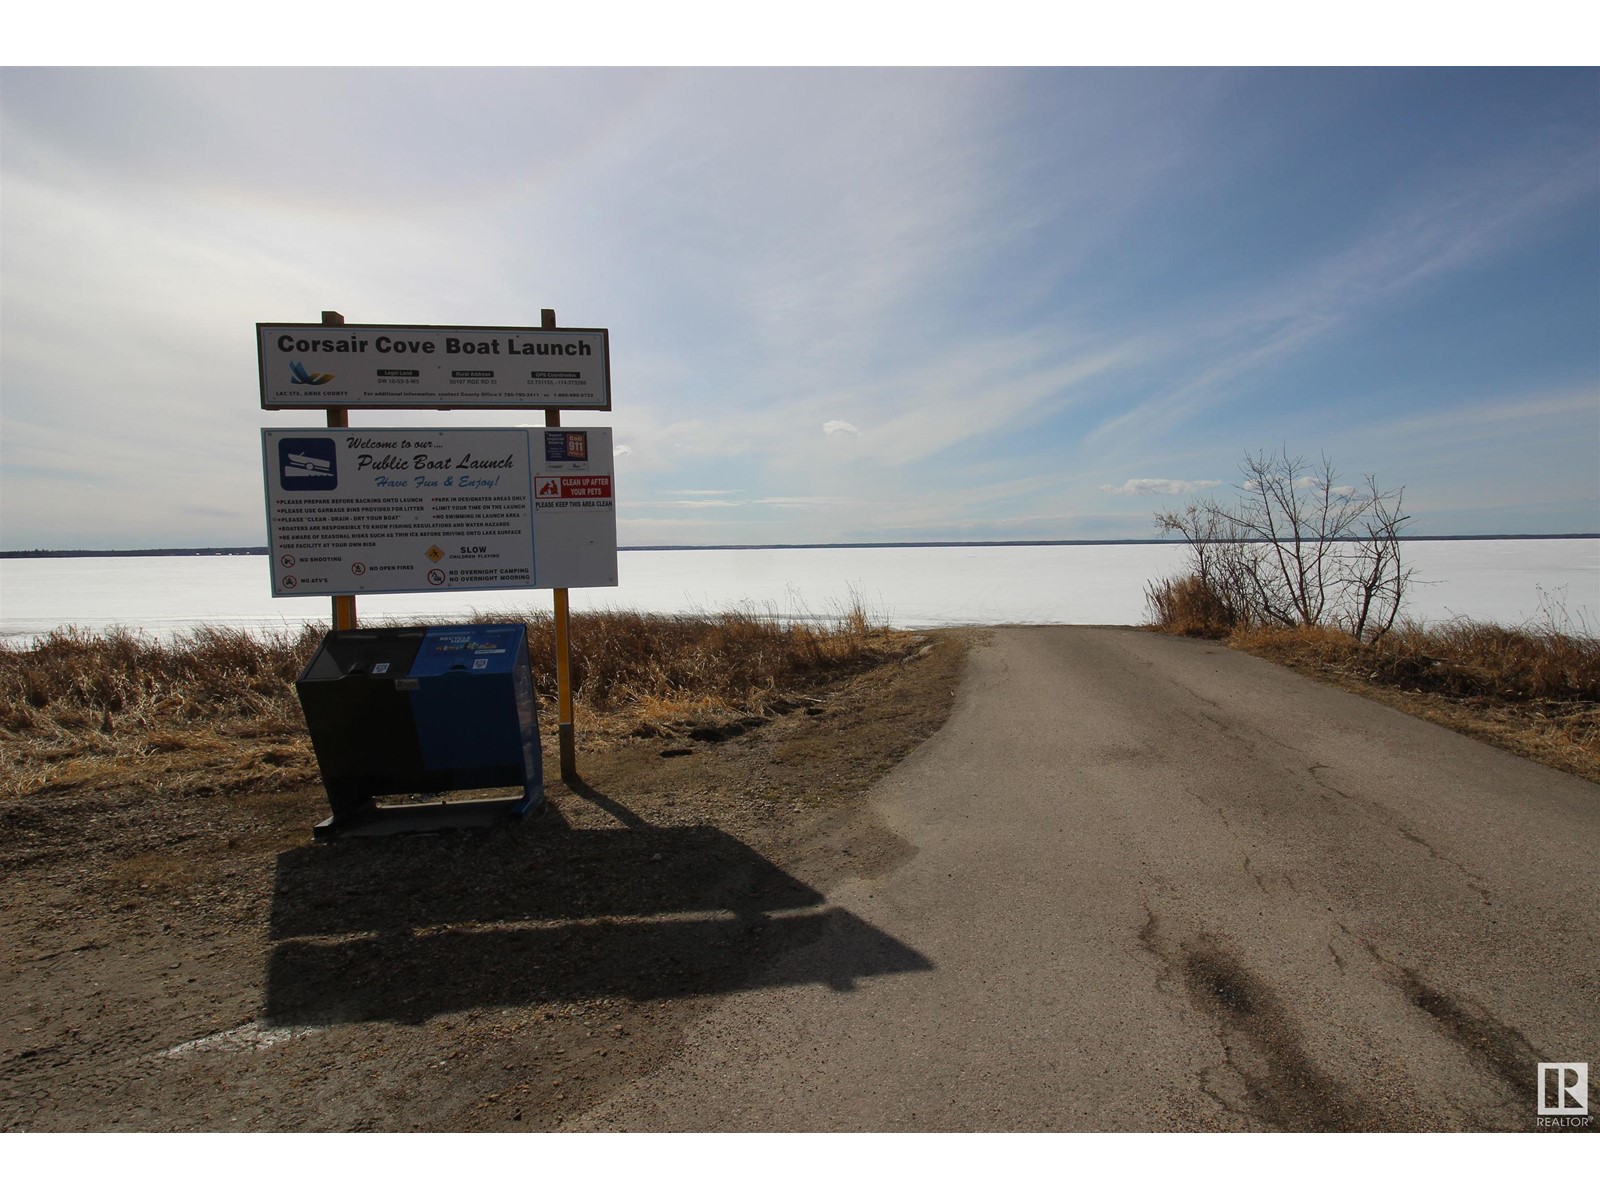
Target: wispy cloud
[[1493, 417], [804, 501], [1004, 380], [1452, 221], [1160, 487], [842, 302], [687, 503]]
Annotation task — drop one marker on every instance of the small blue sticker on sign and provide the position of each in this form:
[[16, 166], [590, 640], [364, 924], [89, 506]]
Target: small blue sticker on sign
[[566, 445]]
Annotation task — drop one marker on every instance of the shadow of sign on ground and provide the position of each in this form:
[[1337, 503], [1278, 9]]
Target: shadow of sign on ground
[[404, 929]]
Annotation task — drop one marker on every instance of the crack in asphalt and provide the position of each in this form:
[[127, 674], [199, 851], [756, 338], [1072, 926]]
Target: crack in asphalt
[[1256, 875], [1473, 880]]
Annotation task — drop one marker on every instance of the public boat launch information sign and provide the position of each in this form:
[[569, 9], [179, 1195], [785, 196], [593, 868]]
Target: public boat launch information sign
[[433, 366], [426, 510]]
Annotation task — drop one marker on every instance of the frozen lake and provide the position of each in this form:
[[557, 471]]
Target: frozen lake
[[910, 587]]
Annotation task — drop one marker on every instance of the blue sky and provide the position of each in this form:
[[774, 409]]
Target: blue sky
[[845, 304]]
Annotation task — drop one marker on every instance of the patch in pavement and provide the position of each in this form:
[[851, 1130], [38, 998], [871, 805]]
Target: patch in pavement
[[1277, 1083], [1282, 1086], [1500, 1047], [1490, 1042]]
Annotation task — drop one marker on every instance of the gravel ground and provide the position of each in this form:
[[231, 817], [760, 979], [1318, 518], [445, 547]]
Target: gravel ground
[[202, 964]]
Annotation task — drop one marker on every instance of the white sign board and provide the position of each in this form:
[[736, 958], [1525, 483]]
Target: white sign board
[[432, 366], [353, 511]]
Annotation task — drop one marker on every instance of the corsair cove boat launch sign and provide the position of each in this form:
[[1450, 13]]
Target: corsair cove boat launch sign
[[433, 366]]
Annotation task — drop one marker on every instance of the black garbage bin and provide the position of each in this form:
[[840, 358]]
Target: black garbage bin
[[422, 710]]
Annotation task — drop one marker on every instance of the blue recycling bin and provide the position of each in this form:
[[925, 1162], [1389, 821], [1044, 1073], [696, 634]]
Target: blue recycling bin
[[422, 710]]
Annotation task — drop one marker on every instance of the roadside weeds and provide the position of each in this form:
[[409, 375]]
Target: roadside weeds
[[1534, 690]]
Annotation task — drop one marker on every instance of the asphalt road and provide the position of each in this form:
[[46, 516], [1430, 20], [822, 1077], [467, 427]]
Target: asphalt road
[[1160, 885]]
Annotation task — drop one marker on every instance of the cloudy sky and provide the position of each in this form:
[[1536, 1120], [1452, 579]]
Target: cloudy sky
[[845, 304]]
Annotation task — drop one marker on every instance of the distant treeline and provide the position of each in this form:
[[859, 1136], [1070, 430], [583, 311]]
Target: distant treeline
[[131, 553], [1459, 537]]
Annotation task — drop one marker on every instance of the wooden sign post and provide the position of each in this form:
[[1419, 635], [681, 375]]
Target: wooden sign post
[[344, 607], [564, 729]]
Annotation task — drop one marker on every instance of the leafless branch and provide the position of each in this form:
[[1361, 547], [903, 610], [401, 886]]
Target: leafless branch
[[1299, 548]]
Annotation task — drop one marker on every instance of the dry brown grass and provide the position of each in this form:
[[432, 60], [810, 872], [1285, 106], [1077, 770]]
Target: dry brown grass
[[1533, 690], [215, 710], [199, 712], [1189, 608]]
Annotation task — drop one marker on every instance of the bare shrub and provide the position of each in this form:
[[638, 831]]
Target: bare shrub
[[1295, 548]]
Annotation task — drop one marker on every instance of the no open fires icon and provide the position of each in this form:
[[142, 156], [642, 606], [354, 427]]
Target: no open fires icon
[[435, 554]]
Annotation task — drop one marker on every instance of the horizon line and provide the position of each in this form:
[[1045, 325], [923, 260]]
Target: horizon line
[[894, 545]]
